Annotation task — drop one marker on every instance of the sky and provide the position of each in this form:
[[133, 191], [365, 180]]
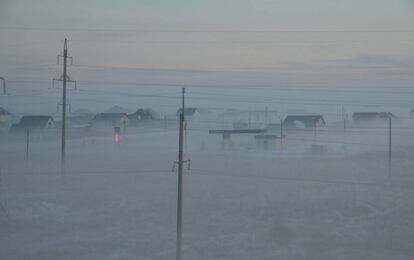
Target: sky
[[224, 42], [306, 38]]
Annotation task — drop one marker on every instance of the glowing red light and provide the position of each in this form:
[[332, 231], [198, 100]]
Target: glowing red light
[[117, 137]]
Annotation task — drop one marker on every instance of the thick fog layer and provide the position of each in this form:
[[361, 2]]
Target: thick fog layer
[[296, 140]]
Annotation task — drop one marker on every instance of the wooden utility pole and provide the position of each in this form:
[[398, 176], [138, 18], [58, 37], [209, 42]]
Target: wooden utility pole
[[27, 144], [4, 85], [180, 181], [344, 127], [281, 134], [389, 143]]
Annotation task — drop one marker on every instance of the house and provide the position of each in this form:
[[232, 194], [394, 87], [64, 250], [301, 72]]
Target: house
[[371, 117], [5, 119], [141, 115], [303, 121], [117, 109], [190, 113], [34, 124], [249, 118], [111, 119]]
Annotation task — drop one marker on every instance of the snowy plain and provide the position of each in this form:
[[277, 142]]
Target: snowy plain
[[118, 201]]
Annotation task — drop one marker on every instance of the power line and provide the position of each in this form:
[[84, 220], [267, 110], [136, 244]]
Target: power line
[[123, 29]]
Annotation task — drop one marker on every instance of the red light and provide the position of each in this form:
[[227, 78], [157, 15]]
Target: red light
[[117, 137]]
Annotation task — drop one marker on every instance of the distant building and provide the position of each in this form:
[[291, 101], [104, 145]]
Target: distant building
[[141, 115], [111, 119], [371, 117], [249, 118], [303, 121], [117, 109], [37, 125], [190, 113]]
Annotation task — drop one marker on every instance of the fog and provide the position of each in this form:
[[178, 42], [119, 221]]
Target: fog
[[324, 194], [206, 130]]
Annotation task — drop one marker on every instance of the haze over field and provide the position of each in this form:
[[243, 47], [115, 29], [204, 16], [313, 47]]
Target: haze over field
[[297, 140]]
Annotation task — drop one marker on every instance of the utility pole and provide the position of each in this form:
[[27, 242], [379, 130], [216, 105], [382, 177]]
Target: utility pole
[[344, 127], [165, 124], [64, 78], [3, 206], [180, 181], [4, 85], [281, 134], [60, 104], [389, 143], [27, 144]]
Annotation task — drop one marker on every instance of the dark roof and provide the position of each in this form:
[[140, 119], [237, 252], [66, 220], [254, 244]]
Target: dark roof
[[116, 109], [4, 112], [109, 116], [188, 111], [305, 119], [387, 115], [141, 114], [34, 121], [372, 115]]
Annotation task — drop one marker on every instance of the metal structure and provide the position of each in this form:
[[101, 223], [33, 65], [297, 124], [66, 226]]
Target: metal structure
[[180, 163], [64, 78], [60, 104]]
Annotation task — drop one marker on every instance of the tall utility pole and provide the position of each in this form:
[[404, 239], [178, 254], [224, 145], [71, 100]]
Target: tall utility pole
[[344, 127], [180, 181], [27, 143], [389, 143], [281, 134], [60, 104], [4, 85], [64, 78]]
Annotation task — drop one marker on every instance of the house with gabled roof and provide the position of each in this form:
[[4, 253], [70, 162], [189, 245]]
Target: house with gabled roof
[[37, 125], [371, 117], [141, 115], [303, 121], [36, 122], [190, 113], [111, 119]]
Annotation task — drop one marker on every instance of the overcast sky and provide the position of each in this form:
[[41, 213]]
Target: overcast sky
[[296, 42]]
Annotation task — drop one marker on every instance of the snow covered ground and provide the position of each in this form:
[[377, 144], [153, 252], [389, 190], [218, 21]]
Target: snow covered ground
[[119, 201]]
